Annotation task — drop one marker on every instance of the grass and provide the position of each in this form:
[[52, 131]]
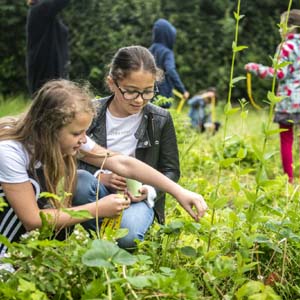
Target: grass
[[236, 247], [12, 106]]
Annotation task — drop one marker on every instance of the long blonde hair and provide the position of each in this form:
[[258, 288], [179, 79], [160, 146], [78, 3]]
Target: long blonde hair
[[54, 106]]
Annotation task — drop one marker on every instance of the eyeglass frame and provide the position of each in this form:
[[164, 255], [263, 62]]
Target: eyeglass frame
[[155, 92]]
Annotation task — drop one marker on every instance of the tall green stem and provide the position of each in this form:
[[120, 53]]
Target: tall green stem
[[237, 17]]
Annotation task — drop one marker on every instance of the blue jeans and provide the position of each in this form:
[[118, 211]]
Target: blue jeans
[[137, 218]]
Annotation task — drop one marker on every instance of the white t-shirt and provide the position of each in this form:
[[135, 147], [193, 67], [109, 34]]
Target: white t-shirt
[[120, 133], [14, 160], [14, 165], [120, 138]]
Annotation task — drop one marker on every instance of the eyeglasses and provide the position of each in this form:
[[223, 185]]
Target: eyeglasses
[[132, 95]]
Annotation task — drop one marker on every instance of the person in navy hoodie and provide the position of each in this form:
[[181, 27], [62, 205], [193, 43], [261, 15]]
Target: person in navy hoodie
[[164, 35], [47, 43]]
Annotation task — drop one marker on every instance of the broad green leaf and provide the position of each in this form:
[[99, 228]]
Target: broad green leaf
[[109, 248], [123, 257], [100, 254], [249, 289], [188, 251], [95, 258], [140, 281]]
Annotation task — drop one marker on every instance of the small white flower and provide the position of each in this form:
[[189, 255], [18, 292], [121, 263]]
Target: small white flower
[[260, 277], [25, 235]]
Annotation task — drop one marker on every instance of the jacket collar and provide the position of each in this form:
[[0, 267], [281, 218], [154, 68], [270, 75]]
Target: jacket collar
[[141, 134]]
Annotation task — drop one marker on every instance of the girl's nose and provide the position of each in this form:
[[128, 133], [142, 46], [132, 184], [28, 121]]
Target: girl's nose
[[139, 99], [83, 139]]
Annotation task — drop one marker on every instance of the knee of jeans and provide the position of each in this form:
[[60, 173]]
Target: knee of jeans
[[128, 241], [85, 186]]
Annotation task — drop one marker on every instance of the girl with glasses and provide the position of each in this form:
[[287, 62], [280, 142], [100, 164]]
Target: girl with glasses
[[128, 123]]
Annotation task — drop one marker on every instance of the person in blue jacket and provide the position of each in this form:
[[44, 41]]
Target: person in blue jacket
[[47, 43], [163, 36]]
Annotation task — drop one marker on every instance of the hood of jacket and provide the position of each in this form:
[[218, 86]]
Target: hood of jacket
[[164, 33]]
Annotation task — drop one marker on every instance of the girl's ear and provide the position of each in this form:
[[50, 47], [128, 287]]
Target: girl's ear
[[110, 83]]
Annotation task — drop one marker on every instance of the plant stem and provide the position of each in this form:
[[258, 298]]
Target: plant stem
[[225, 124], [108, 284], [128, 284]]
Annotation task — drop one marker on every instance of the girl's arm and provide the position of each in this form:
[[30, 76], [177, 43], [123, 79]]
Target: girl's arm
[[22, 199], [130, 167], [286, 54]]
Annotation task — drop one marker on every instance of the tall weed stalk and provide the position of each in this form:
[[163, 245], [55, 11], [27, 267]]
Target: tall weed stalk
[[228, 111]]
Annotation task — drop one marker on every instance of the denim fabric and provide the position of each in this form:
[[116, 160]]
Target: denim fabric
[[197, 111], [86, 190], [137, 218]]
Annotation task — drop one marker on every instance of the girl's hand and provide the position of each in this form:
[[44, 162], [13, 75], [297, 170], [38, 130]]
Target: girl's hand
[[186, 95], [112, 205], [189, 200], [113, 181], [143, 195]]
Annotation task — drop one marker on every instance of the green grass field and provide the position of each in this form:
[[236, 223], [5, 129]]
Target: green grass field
[[245, 247], [13, 105]]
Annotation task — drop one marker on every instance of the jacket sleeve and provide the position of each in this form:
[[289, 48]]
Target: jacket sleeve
[[168, 163], [286, 54], [170, 69], [195, 101]]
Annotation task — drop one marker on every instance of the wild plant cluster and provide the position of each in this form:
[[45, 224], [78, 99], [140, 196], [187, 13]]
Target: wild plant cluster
[[245, 247]]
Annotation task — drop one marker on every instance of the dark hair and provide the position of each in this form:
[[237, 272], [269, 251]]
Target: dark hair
[[294, 19], [130, 59], [209, 89]]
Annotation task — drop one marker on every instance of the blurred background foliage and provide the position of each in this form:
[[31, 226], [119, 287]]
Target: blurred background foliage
[[205, 31]]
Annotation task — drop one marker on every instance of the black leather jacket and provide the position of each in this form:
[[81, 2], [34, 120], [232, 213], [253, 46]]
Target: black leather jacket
[[157, 144]]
